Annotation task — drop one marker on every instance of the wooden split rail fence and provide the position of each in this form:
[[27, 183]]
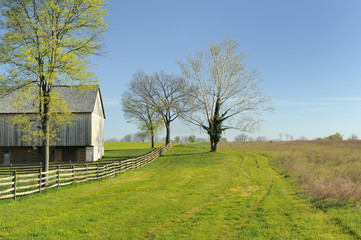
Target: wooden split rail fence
[[24, 184]]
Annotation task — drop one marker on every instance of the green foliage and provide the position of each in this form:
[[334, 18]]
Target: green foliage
[[335, 137], [51, 40]]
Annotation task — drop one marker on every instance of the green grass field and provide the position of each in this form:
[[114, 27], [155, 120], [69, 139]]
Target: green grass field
[[187, 194], [125, 150]]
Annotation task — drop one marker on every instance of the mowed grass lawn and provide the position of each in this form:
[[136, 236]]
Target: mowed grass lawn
[[187, 194]]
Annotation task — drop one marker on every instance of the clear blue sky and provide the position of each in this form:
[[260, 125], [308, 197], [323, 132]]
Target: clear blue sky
[[308, 53]]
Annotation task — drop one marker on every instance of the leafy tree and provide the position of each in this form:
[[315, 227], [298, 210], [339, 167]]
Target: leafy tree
[[177, 139], [226, 95], [192, 138], [138, 106], [335, 137], [45, 43]]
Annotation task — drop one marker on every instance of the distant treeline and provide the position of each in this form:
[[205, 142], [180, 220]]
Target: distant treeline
[[145, 137]]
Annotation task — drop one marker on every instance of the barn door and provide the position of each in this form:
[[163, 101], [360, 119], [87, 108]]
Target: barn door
[[69, 154]]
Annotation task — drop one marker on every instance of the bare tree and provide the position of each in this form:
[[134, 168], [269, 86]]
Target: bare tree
[[226, 95], [241, 137], [169, 96], [261, 139], [353, 137], [287, 136], [137, 105], [142, 136], [128, 138]]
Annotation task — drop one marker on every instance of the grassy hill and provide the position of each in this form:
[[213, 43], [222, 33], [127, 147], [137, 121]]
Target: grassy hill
[[187, 194]]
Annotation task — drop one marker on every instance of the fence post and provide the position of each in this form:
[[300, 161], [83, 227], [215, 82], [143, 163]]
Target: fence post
[[73, 173], [97, 171], [58, 176], [106, 170], [86, 172], [40, 179], [113, 168], [14, 185]]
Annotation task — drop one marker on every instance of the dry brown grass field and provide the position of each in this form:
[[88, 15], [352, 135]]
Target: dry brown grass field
[[327, 171]]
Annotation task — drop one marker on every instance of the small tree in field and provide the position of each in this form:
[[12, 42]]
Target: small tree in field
[[226, 95], [45, 43]]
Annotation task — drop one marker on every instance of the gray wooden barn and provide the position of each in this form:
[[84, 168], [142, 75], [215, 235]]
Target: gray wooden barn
[[82, 141]]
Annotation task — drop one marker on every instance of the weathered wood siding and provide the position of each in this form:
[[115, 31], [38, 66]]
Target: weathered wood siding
[[76, 134], [9, 134]]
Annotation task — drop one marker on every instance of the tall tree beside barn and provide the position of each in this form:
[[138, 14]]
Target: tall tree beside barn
[[226, 95], [45, 43]]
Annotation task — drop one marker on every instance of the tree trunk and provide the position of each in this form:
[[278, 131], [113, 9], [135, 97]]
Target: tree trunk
[[215, 127], [45, 128], [152, 137], [167, 138], [46, 142], [46, 156], [214, 145]]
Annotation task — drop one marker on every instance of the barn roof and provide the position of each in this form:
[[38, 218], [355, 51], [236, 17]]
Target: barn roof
[[78, 99]]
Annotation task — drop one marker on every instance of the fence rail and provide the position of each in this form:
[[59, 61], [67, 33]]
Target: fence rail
[[24, 184], [33, 168]]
